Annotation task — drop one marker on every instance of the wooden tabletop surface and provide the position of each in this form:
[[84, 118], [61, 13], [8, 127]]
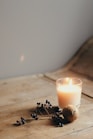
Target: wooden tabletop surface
[[18, 97]]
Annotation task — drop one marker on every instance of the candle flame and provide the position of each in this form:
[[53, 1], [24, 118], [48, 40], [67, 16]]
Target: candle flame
[[68, 81]]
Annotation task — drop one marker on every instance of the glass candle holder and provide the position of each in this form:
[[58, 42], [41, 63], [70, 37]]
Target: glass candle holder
[[69, 91]]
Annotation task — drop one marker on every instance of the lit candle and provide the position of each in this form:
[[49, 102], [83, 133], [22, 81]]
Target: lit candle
[[69, 91]]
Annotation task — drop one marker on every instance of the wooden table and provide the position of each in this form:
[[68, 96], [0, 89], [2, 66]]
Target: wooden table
[[18, 96]]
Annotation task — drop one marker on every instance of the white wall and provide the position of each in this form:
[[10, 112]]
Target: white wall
[[37, 36]]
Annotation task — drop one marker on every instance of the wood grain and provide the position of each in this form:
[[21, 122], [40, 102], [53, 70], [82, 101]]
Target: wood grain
[[19, 96]]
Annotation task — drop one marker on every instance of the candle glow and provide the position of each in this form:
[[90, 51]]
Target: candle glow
[[68, 93]]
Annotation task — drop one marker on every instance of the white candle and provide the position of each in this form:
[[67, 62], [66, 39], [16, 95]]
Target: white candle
[[69, 91]]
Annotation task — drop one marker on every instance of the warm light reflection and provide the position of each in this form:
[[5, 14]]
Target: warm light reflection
[[70, 82], [22, 58]]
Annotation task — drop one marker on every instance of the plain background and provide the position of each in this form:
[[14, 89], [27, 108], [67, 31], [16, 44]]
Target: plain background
[[38, 36]]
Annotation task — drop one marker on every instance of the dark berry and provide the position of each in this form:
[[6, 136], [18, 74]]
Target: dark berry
[[56, 109], [38, 103], [34, 115], [36, 118], [18, 122], [46, 101], [50, 106], [23, 121], [60, 124]]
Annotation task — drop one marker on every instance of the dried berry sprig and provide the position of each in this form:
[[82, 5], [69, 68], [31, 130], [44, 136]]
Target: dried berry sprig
[[42, 108], [59, 117], [20, 122]]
